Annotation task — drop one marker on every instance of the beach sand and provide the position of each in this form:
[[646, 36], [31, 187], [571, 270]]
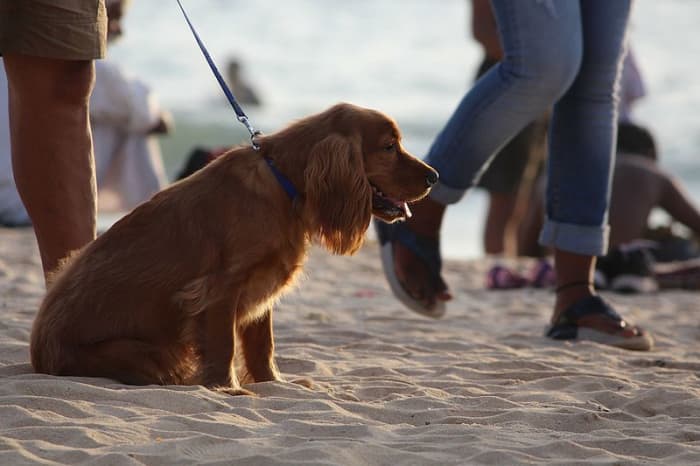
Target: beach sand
[[480, 386]]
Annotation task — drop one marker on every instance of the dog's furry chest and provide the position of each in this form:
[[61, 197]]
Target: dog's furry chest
[[265, 285], [250, 289]]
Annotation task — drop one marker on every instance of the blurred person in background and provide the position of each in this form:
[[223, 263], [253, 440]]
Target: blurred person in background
[[126, 117], [243, 91], [511, 174]]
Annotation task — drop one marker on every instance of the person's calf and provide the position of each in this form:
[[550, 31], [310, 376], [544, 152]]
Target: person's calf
[[52, 151]]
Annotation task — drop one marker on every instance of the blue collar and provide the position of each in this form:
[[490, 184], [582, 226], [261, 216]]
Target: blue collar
[[287, 185]]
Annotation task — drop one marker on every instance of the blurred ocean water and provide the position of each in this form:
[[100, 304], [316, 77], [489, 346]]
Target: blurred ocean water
[[412, 59]]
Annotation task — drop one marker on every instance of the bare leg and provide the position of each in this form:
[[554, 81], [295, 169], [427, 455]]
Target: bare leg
[[574, 277], [531, 224], [498, 230], [52, 151]]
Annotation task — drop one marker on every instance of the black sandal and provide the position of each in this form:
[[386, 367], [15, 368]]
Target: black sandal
[[567, 327]]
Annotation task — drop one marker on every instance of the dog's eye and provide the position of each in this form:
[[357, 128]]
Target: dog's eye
[[390, 147]]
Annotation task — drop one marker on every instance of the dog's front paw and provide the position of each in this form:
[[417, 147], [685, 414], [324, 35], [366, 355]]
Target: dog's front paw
[[234, 391]]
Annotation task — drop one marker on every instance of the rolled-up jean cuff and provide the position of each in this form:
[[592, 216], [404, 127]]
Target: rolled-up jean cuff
[[445, 195], [578, 239]]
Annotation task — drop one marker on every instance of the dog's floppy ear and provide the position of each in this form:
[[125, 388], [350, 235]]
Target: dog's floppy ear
[[338, 195]]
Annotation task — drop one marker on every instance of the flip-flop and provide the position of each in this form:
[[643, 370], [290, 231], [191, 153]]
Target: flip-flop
[[500, 277], [427, 249], [568, 329], [543, 275]]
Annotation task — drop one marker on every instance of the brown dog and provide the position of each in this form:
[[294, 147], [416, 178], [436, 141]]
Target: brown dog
[[180, 291]]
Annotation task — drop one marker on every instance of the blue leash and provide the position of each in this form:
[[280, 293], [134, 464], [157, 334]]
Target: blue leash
[[286, 184], [229, 95]]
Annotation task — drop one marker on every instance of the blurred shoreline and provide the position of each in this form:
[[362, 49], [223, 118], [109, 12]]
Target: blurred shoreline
[[410, 59]]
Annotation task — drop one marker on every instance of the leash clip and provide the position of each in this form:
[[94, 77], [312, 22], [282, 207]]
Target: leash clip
[[254, 140], [253, 132]]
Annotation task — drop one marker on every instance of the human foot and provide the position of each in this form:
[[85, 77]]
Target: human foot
[[421, 281], [412, 266]]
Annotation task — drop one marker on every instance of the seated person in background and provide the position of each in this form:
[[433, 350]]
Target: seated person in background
[[640, 185], [124, 116]]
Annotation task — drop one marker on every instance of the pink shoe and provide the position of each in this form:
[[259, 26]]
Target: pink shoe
[[502, 278], [543, 275]]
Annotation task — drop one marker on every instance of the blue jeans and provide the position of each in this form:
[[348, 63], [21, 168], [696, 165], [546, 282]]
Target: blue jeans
[[565, 54]]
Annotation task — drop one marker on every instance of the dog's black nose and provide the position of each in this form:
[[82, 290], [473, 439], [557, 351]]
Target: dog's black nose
[[432, 178]]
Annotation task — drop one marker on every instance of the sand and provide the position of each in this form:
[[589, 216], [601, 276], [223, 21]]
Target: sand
[[480, 386]]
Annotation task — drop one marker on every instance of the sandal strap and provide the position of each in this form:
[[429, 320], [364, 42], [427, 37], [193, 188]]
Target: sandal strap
[[424, 247], [566, 286], [590, 305]]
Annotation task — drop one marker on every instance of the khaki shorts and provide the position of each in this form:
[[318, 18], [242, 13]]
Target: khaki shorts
[[64, 29]]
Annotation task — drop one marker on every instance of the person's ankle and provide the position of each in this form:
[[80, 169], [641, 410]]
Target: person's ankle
[[569, 294], [427, 218]]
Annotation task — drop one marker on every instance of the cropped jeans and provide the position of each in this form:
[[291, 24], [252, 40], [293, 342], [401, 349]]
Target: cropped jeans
[[563, 55]]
